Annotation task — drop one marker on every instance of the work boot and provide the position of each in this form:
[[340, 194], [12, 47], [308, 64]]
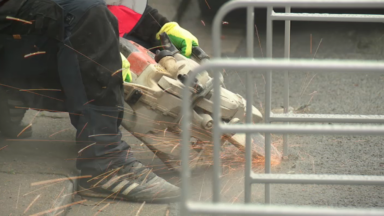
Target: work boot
[[133, 182], [11, 117]]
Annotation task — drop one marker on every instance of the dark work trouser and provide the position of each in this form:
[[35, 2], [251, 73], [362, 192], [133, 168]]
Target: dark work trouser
[[86, 57]]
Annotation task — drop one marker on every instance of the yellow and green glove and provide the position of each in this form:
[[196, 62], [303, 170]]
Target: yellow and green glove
[[181, 38], [127, 76]]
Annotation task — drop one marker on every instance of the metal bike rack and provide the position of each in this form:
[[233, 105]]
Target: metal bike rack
[[281, 66]]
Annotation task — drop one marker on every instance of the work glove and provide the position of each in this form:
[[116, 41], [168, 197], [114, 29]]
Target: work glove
[[181, 38], [126, 69]]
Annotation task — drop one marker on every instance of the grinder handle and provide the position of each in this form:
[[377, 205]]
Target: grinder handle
[[199, 54], [167, 43]]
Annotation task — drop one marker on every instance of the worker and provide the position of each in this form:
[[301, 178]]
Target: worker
[[73, 46]]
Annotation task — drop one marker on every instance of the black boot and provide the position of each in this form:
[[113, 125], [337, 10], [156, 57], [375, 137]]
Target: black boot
[[11, 116]]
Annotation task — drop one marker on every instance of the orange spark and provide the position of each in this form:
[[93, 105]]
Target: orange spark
[[30, 92], [30, 205], [82, 130], [118, 71], [58, 208], [89, 102], [40, 188], [24, 130], [40, 90], [87, 57], [96, 135], [59, 213], [225, 23], [141, 207], [34, 117], [81, 150], [58, 132], [27, 108], [18, 195], [111, 172], [59, 180], [17, 19], [203, 22], [58, 196], [104, 207], [155, 47], [150, 171], [3, 147], [258, 38], [36, 140], [206, 2], [34, 54], [165, 131], [310, 44]]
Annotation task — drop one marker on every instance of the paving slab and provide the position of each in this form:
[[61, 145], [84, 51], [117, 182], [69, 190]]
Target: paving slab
[[116, 207], [19, 197], [46, 152]]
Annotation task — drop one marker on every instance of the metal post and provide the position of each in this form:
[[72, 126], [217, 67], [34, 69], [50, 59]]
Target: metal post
[[287, 52], [268, 95], [216, 138], [249, 97]]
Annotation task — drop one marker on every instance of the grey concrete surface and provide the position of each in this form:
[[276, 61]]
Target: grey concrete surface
[[18, 197], [23, 162]]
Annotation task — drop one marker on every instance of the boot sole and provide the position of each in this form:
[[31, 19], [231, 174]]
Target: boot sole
[[89, 193]]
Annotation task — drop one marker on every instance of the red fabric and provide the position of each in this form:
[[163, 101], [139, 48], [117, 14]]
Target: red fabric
[[126, 17]]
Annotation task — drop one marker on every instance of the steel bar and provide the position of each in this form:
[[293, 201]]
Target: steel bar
[[287, 54], [305, 129], [327, 118], [249, 108], [268, 99], [328, 17], [231, 5], [317, 179], [278, 210], [216, 138], [281, 65]]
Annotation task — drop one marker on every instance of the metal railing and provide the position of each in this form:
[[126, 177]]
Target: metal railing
[[281, 66]]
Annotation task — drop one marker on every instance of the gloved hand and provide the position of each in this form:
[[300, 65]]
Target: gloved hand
[[127, 77], [181, 38]]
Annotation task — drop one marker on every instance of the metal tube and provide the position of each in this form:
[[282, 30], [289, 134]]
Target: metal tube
[[216, 137], [226, 8], [268, 98], [278, 210], [328, 17], [306, 129], [185, 143], [327, 118], [249, 107], [318, 179], [287, 52], [281, 65], [250, 32]]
